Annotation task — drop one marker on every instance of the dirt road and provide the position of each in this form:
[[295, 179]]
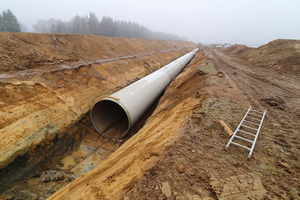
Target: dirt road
[[231, 86]]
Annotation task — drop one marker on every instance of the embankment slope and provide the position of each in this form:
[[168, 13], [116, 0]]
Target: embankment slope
[[49, 82], [282, 55], [121, 171]]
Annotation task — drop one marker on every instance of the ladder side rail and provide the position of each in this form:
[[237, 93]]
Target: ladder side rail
[[236, 130], [257, 133]]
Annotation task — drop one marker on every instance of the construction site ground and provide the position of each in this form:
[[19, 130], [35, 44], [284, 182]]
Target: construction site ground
[[176, 153], [198, 167]]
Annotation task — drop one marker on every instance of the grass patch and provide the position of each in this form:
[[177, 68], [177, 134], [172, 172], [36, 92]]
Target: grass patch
[[207, 69], [270, 167]]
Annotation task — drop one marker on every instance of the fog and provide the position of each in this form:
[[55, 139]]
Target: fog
[[249, 22]]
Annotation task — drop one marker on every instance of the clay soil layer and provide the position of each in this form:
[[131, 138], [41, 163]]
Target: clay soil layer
[[48, 84]]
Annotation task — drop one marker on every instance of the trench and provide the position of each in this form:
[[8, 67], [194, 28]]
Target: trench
[[59, 169], [66, 159], [62, 160]]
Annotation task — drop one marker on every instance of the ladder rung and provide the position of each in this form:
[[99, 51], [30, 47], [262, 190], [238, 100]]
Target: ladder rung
[[241, 145], [254, 115], [247, 132], [243, 138], [257, 111], [249, 127], [253, 118], [251, 122]]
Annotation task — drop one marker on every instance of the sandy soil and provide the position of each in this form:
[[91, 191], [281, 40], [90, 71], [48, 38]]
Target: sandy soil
[[45, 103], [281, 55], [179, 153], [198, 167]]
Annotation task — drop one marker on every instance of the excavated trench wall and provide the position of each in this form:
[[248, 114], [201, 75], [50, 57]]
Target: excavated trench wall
[[118, 175], [48, 84]]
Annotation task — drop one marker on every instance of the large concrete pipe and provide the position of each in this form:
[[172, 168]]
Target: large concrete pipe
[[113, 116]]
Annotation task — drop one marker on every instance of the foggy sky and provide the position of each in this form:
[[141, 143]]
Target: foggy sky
[[250, 22]]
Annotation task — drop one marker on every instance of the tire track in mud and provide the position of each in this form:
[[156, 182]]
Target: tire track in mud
[[267, 85], [240, 83]]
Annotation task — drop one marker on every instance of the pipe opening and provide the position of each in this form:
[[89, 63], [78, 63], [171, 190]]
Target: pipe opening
[[110, 119]]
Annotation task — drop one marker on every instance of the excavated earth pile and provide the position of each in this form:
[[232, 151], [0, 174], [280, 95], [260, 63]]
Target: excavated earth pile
[[48, 84], [281, 55]]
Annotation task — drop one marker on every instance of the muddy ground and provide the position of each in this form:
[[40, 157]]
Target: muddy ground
[[178, 153]]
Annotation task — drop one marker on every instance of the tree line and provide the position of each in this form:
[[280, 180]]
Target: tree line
[[90, 25], [9, 22], [86, 26]]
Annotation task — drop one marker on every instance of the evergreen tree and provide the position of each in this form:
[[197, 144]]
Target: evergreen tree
[[1, 24], [93, 24], [9, 22], [106, 27]]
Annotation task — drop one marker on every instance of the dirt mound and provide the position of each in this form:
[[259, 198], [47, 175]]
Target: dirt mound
[[19, 51], [237, 49], [282, 55]]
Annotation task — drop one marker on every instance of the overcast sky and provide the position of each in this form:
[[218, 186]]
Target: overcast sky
[[250, 22]]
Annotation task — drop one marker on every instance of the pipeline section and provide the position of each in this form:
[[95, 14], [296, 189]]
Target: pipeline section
[[114, 115]]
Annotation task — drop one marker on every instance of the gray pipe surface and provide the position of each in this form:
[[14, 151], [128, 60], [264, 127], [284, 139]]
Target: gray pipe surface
[[113, 116]]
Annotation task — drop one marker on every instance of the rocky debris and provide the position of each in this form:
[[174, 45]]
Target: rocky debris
[[180, 168], [36, 175], [52, 175], [198, 94], [284, 164], [221, 74], [247, 186], [276, 102], [166, 189]]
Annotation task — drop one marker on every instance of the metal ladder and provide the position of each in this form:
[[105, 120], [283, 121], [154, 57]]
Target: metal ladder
[[249, 123]]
